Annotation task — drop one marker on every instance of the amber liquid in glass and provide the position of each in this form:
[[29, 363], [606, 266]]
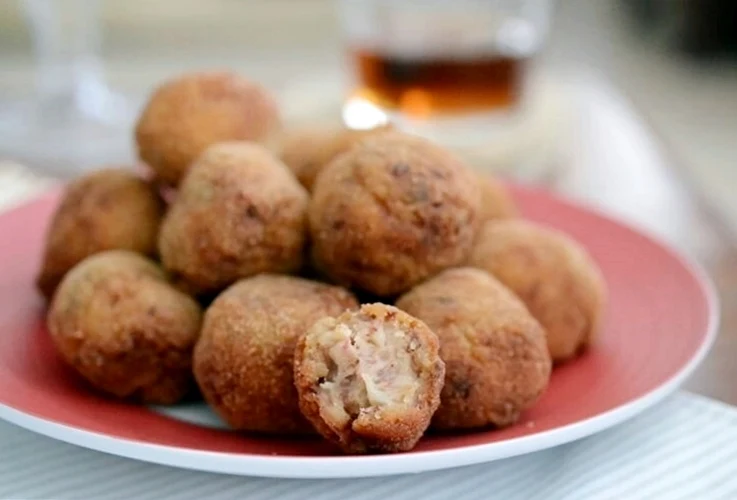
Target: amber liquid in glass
[[432, 86]]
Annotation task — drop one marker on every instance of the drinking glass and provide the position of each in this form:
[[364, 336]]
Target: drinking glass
[[72, 121], [445, 66]]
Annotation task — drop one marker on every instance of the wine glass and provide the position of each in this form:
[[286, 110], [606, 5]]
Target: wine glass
[[73, 121]]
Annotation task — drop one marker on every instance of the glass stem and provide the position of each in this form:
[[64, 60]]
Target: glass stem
[[66, 42]]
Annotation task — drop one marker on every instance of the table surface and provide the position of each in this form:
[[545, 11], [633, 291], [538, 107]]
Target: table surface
[[647, 457]]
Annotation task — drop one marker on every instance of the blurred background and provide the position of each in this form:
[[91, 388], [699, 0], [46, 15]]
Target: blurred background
[[675, 61]]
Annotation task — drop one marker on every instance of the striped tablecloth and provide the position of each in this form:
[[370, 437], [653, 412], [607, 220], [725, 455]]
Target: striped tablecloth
[[684, 448]]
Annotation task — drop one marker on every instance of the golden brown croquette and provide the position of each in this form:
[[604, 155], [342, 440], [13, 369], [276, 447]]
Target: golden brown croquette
[[111, 208], [243, 361], [128, 332], [392, 211], [496, 202], [239, 212], [552, 274], [369, 380], [187, 114], [496, 360], [308, 151]]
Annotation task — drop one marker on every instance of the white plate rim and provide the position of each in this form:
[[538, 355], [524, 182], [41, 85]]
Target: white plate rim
[[386, 465]]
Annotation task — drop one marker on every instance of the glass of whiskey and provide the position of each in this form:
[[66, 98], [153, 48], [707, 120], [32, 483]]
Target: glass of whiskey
[[440, 66]]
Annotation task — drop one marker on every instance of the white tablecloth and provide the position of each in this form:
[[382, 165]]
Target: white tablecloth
[[686, 447]]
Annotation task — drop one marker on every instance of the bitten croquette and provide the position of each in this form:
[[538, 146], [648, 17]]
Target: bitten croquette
[[369, 380]]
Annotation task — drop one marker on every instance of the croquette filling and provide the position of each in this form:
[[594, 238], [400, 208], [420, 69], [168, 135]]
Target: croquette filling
[[370, 367]]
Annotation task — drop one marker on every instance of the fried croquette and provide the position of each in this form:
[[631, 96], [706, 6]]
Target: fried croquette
[[392, 211], [496, 203], [239, 212], [118, 322], [496, 360], [243, 360], [107, 209], [186, 115], [369, 380], [308, 151], [552, 274]]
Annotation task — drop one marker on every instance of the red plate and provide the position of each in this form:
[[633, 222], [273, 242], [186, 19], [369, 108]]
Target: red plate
[[661, 319]]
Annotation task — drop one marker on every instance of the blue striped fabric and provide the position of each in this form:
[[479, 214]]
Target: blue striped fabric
[[686, 447]]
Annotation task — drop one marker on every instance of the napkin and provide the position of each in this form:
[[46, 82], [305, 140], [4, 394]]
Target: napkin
[[685, 447]]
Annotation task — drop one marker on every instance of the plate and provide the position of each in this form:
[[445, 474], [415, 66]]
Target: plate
[[661, 319]]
